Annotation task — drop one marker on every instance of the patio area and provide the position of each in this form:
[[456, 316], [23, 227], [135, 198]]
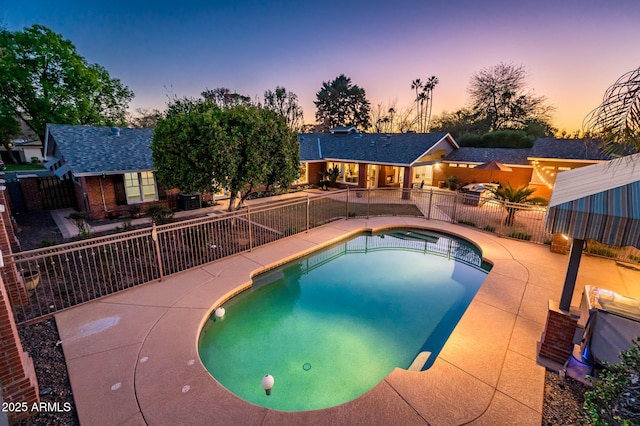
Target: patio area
[[132, 357]]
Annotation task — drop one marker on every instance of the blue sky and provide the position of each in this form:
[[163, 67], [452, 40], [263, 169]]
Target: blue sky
[[573, 50]]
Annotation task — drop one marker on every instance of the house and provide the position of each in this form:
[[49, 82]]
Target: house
[[536, 167], [24, 148], [373, 160], [111, 168]]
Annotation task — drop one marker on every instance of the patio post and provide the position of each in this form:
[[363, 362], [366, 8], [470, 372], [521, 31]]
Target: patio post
[[572, 274], [430, 200]]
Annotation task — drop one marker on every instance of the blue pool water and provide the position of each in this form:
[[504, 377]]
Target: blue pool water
[[330, 326]]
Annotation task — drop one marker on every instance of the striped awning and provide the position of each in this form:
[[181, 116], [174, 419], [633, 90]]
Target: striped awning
[[609, 217]]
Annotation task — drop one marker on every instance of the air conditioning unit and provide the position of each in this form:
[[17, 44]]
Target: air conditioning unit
[[189, 201]]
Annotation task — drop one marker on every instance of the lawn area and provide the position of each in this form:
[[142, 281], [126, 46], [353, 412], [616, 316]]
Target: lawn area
[[23, 167]]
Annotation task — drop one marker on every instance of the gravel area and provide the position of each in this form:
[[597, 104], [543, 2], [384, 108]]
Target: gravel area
[[36, 230], [42, 342], [563, 404]]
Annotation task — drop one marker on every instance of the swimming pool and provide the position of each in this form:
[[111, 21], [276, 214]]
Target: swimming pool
[[330, 326]]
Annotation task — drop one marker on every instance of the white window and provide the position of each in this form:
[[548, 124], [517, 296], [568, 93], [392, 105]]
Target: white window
[[348, 171], [140, 187]]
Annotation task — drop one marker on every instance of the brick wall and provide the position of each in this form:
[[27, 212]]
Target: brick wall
[[557, 338], [31, 194], [314, 172], [17, 376]]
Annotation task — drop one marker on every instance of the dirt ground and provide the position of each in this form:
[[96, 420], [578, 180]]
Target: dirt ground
[[36, 230]]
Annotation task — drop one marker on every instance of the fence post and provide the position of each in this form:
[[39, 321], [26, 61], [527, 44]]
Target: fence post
[[455, 206], [430, 200], [154, 237], [249, 222], [504, 205], [308, 212], [346, 213]]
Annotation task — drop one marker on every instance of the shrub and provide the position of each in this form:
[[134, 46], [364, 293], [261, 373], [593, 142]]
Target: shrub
[[80, 219], [453, 182], [520, 236], [160, 215], [507, 139], [467, 222], [47, 243], [489, 228], [615, 398]]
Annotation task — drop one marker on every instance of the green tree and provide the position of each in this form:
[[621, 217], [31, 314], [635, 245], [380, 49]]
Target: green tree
[[198, 146], [461, 122], [615, 397], [9, 128], [225, 98], [520, 195], [617, 119], [144, 118], [500, 95], [286, 104], [341, 103], [44, 80]]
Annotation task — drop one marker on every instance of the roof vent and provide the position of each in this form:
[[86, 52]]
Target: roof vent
[[344, 130], [115, 131]]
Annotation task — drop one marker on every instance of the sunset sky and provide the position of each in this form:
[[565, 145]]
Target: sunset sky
[[573, 50]]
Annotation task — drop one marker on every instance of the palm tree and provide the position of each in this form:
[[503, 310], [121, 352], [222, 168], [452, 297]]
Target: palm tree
[[520, 195], [417, 85], [617, 120], [391, 111], [422, 97], [430, 84]]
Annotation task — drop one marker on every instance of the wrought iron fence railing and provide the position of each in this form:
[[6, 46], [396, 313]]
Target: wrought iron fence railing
[[58, 277]]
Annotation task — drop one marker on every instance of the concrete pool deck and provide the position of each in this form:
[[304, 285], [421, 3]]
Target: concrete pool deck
[[132, 357]]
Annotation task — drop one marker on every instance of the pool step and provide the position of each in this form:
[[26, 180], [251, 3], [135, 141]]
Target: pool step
[[420, 361]]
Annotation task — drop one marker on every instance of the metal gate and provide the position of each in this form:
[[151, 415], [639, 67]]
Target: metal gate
[[56, 193]]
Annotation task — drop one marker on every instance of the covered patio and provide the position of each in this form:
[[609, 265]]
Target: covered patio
[[599, 202]]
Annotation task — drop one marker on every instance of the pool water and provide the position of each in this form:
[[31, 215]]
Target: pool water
[[330, 326]]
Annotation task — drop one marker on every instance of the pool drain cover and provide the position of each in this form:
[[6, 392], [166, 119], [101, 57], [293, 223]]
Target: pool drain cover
[[306, 366]]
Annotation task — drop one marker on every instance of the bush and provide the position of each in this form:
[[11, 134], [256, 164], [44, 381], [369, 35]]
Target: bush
[[507, 139], [453, 182], [467, 222], [160, 215], [498, 139], [489, 228], [615, 398], [520, 236]]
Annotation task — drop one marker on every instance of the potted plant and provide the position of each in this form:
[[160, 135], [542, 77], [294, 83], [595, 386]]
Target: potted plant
[[30, 279]]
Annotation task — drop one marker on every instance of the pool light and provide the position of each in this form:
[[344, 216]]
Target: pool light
[[219, 313], [267, 383]]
